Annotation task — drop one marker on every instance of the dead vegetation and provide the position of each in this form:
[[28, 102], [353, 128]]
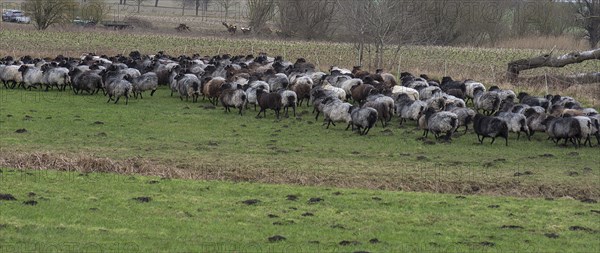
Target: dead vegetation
[[231, 171]]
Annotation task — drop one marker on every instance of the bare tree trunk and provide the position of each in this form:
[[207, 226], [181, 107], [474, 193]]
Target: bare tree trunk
[[156, 3], [547, 60]]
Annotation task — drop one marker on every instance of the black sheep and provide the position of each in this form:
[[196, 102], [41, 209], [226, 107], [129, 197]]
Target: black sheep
[[487, 126]]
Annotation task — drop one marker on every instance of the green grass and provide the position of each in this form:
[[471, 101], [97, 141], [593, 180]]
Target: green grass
[[211, 144], [96, 212]]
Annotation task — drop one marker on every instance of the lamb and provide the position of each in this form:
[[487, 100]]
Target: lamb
[[488, 126], [10, 73], [440, 122], [336, 110], [118, 88], [488, 102], [516, 123], [563, 128], [288, 99], [86, 80], [55, 76], [407, 108], [364, 118], [268, 101], [188, 85], [147, 81], [32, 76], [233, 97]]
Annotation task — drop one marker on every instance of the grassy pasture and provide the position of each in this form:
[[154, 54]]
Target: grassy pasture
[[101, 212], [191, 140]]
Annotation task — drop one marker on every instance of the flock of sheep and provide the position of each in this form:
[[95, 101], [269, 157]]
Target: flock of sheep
[[439, 107]]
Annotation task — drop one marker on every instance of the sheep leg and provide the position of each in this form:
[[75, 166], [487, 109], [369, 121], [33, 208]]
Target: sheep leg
[[258, 115], [109, 99], [328, 123], [317, 117], [349, 127], [117, 100], [142, 97], [126, 99], [152, 93], [294, 110], [366, 130], [277, 112], [493, 139], [241, 107], [482, 138], [518, 135], [382, 123], [171, 93], [506, 141]]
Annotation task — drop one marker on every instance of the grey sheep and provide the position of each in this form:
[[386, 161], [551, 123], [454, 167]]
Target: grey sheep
[[147, 81], [87, 81], [568, 129], [317, 95], [407, 108], [429, 92], [364, 118], [440, 122], [302, 86], [188, 85], [516, 123], [288, 99], [55, 76], [118, 88], [535, 120], [336, 110], [10, 74], [488, 102], [233, 97], [32, 76], [384, 106], [470, 86], [465, 115], [588, 129], [488, 126]]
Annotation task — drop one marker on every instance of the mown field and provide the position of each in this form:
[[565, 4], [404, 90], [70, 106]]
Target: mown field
[[101, 212], [197, 164]]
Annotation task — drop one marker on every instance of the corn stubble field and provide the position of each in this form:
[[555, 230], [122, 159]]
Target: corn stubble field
[[160, 174]]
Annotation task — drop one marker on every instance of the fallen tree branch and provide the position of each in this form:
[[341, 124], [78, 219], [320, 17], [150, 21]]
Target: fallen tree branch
[[546, 60]]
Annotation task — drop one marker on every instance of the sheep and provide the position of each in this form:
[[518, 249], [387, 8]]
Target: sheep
[[268, 101], [412, 93], [384, 106], [233, 97], [488, 126], [278, 81], [455, 88], [589, 111], [449, 99], [32, 76], [429, 92], [516, 123], [470, 87], [417, 84], [251, 88], [488, 102], [525, 98], [302, 86], [147, 81], [211, 88], [535, 120], [10, 73], [388, 79], [439, 122], [317, 95], [437, 103], [55, 76], [407, 108], [338, 92], [336, 110], [465, 115], [360, 92], [118, 88], [288, 99], [188, 85], [596, 124], [347, 85], [563, 128], [588, 128], [85, 80], [364, 118], [504, 94]]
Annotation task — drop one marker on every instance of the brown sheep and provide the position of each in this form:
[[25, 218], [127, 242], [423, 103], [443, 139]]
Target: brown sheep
[[361, 92], [212, 89]]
